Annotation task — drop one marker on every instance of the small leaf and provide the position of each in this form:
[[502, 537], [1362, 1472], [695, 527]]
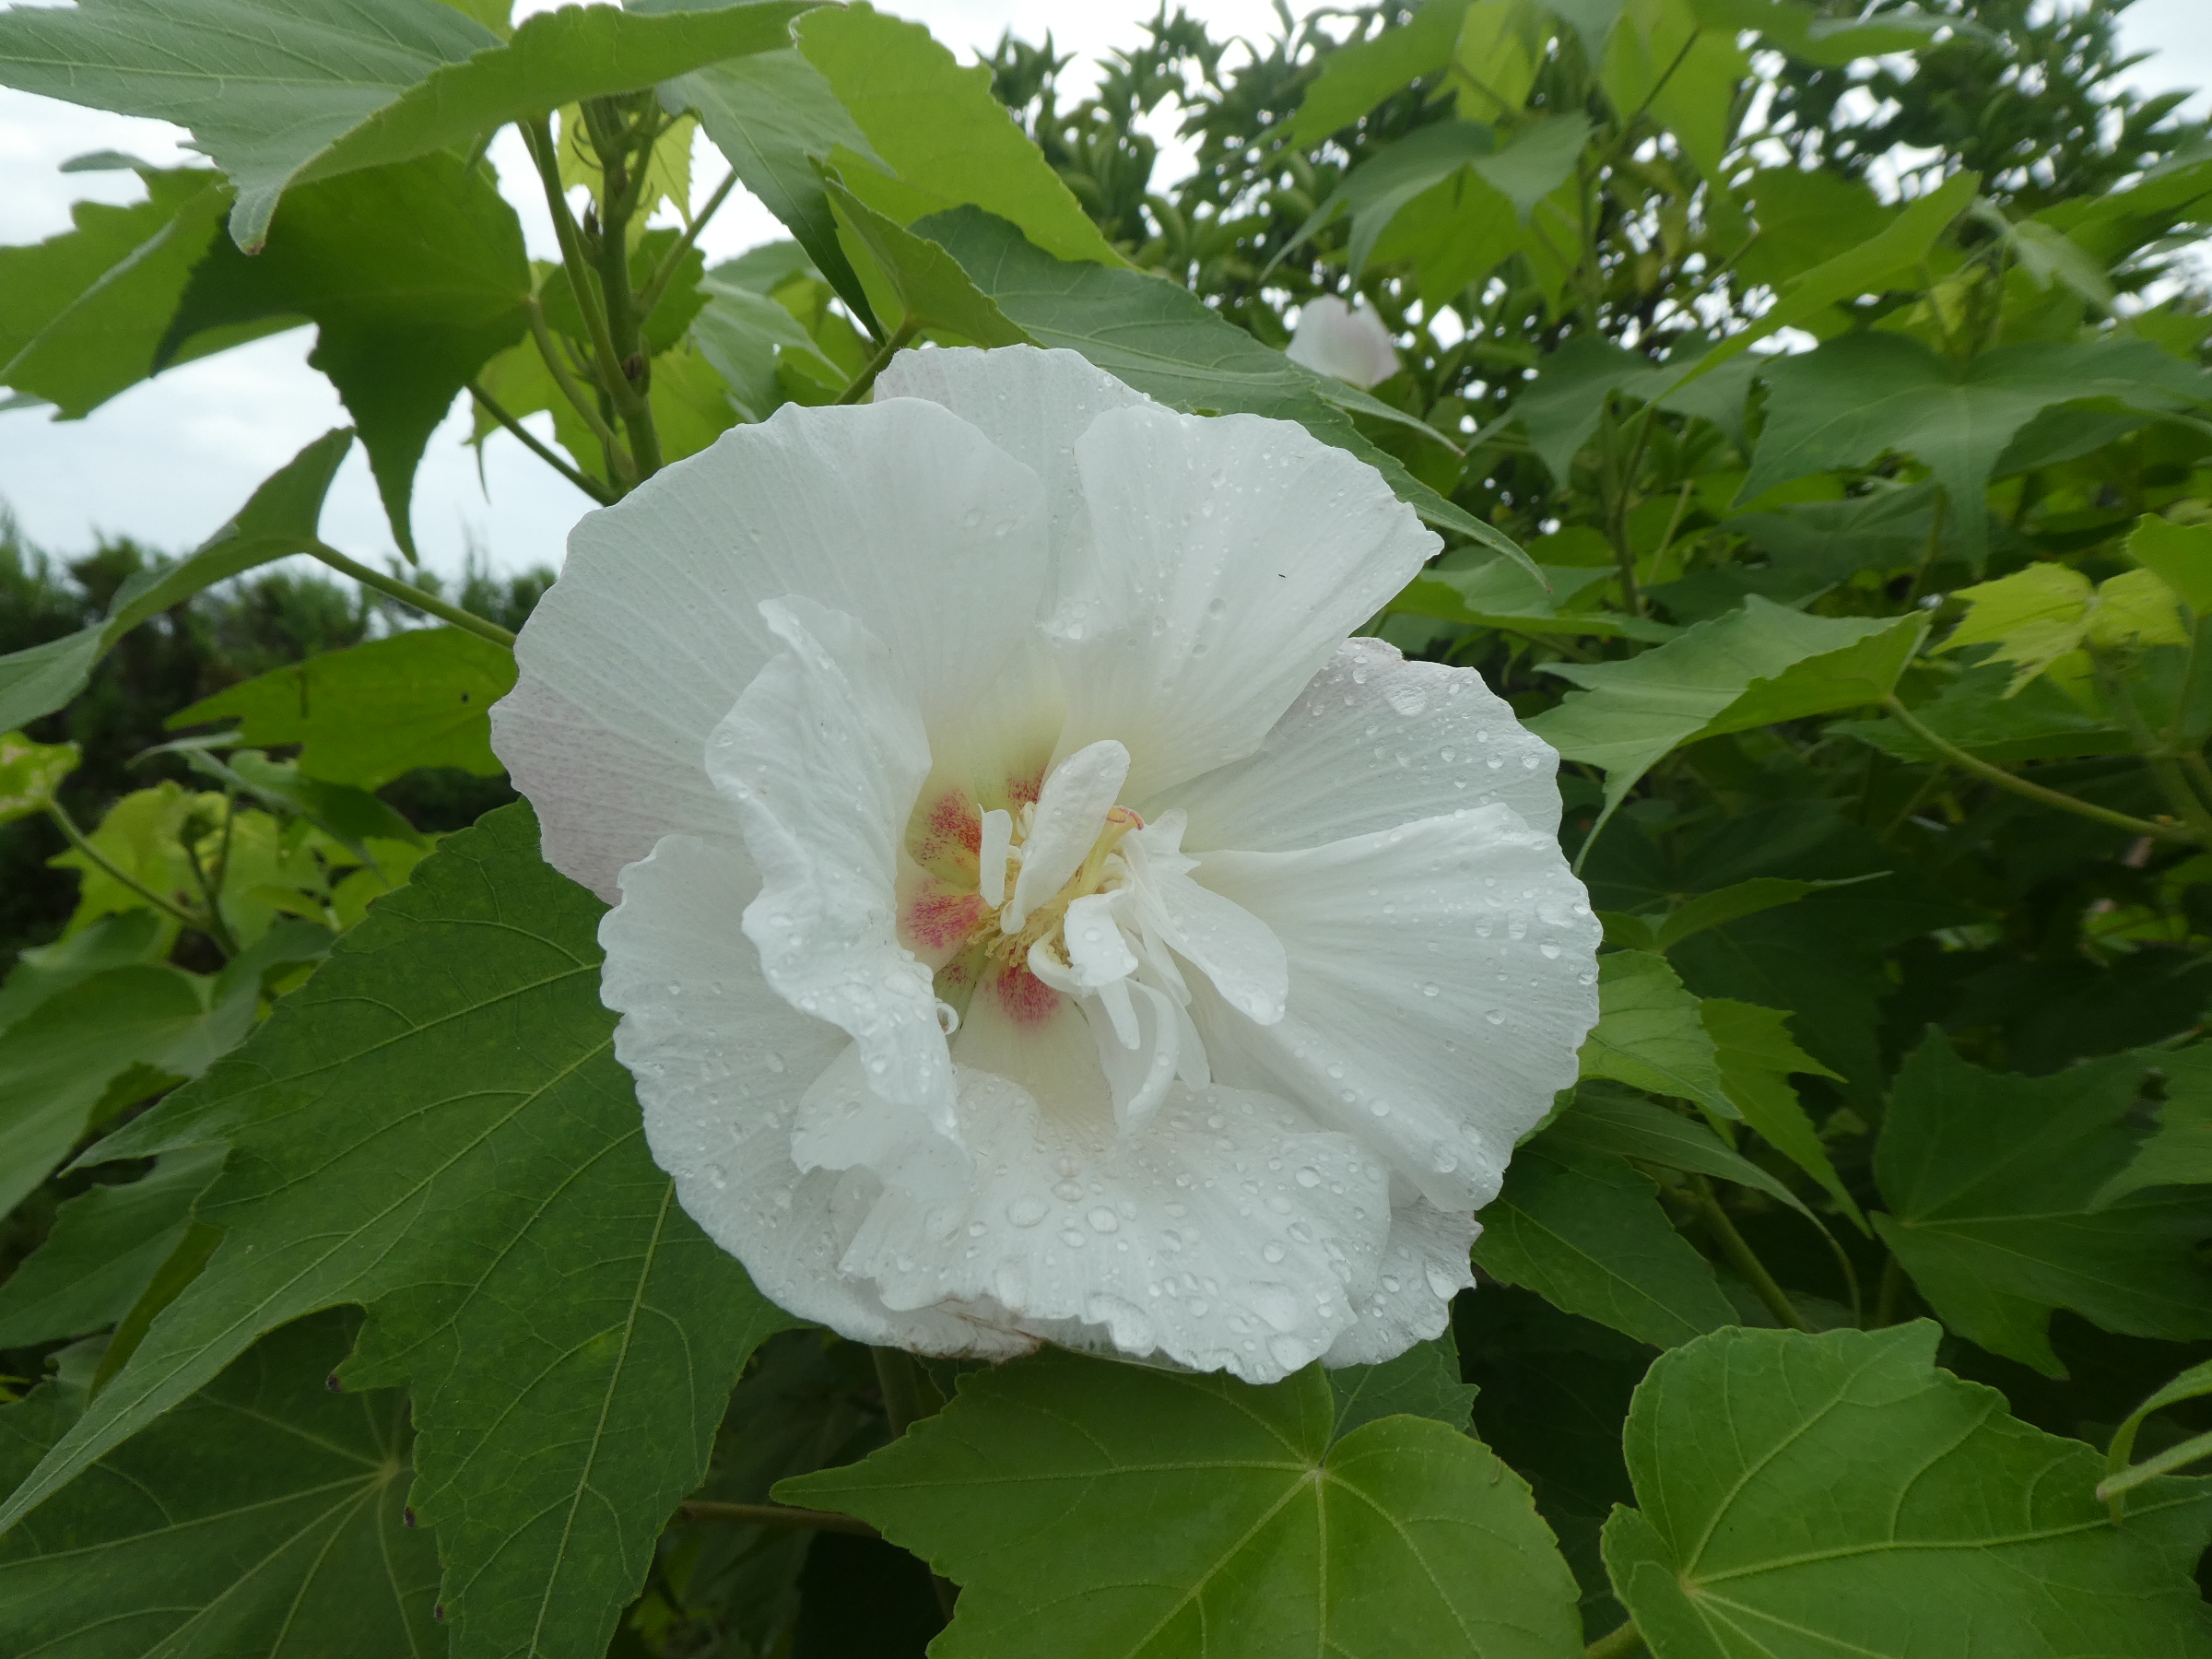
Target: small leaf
[[1814, 1495], [2180, 553], [1649, 1035], [279, 519], [1586, 1233], [1757, 1060], [2179, 1153], [1996, 1187], [944, 138], [2192, 1384], [1040, 1491], [1723, 905], [1499, 594], [927, 283], [1750, 667], [1356, 78], [366, 714], [1602, 1121], [31, 773], [1980, 712]]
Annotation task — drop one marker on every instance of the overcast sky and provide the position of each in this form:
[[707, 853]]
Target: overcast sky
[[169, 460]]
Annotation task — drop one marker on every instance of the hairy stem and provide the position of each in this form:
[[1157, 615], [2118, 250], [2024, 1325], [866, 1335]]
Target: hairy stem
[[2020, 787], [1742, 1257], [408, 593], [583, 481]]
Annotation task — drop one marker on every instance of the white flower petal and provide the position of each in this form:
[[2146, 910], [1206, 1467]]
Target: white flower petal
[[1348, 344], [993, 841], [1374, 742], [898, 513], [1071, 811], [721, 1063], [1032, 404], [1222, 1238], [1425, 1264], [823, 757], [1441, 984], [1223, 940], [1228, 558], [1096, 951]]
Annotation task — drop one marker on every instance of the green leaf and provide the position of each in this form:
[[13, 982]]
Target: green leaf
[[1995, 1184], [2182, 554], [366, 714], [1861, 395], [435, 1127], [944, 136], [1723, 905], [264, 1516], [1750, 667], [775, 117], [110, 942], [1806, 218], [1866, 267], [2179, 1153], [85, 311], [104, 1250], [1422, 1382], [1167, 343], [279, 519], [1354, 80], [415, 278], [1757, 1060], [1980, 712], [1501, 595], [1040, 1490], [1560, 409], [1807, 1496], [2192, 1384], [927, 283], [1586, 1233], [741, 333], [343, 84], [1648, 1033], [31, 773], [1661, 59], [1602, 1121], [58, 1061]]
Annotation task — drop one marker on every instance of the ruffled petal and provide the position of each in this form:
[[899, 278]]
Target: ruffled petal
[[1229, 558], [1425, 1264], [1334, 339], [899, 513], [1071, 811], [823, 757], [1224, 941], [1032, 404], [1373, 742], [721, 1063], [1442, 981], [1229, 1236]]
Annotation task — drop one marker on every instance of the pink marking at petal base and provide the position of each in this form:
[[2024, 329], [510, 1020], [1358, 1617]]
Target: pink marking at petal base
[[953, 824], [1027, 999], [940, 920]]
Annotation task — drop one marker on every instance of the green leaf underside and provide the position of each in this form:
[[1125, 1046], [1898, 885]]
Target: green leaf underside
[[1040, 1491], [1996, 1187], [279, 519], [435, 1127], [1421, 1381], [264, 1516], [368, 713], [1750, 667], [1803, 1497], [1586, 1233], [1648, 1035], [1162, 339], [337, 86]]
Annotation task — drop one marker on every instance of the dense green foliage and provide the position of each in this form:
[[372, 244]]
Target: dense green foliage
[[1816, 410]]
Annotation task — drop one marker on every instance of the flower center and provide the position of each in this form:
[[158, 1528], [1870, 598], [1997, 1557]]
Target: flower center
[[1007, 936]]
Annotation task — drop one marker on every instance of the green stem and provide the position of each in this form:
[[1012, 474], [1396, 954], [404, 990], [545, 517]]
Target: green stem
[[619, 466], [2020, 787], [2187, 804], [83, 844], [1742, 1257], [2150, 1468], [774, 1514], [538, 136], [2193, 765], [406, 593], [866, 380], [664, 273], [1617, 1645], [590, 486], [214, 928]]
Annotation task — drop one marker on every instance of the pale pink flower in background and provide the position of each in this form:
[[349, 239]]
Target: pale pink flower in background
[[1034, 919], [1351, 346]]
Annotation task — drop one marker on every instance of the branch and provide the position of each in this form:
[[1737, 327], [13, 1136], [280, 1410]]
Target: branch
[[107, 867], [406, 593], [774, 1514], [583, 481]]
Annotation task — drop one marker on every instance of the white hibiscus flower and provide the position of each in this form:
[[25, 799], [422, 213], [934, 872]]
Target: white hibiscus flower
[[1352, 346], [1033, 918]]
